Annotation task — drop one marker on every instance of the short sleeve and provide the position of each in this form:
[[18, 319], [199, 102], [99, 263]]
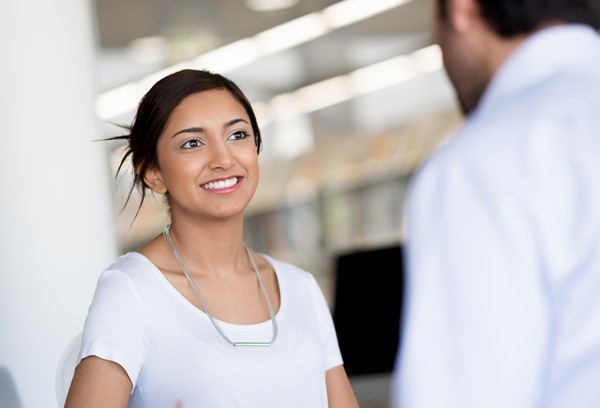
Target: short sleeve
[[115, 328], [327, 333]]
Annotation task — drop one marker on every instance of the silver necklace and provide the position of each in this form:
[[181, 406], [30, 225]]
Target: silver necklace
[[215, 323]]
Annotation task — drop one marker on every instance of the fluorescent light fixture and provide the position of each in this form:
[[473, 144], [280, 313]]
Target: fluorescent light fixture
[[290, 131], [270, 5], [351, 11], [333, 90], [284, 106], [229, 57], [124, 99], [291, 34], [325, 93], [345, 87], [395, 70]]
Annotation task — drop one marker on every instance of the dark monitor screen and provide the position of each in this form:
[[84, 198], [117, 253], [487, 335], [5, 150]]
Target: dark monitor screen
[[367, 308]]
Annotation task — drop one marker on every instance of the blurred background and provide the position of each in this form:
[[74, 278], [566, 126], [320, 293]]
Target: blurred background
[[350, 95]]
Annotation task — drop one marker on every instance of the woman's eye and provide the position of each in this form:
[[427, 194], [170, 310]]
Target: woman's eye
[[192, 143], [239, 135]]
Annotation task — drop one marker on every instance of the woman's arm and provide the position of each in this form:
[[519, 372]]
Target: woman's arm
[[99, 383], [339, 389]]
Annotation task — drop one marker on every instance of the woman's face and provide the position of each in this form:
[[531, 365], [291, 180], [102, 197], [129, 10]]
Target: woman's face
[[208, 163]]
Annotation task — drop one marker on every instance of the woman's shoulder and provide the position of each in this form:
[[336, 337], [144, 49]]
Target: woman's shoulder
[[128, 261], [131, 265]]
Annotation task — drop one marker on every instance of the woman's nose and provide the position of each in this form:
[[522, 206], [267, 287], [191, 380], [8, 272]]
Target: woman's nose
[[221, 157]]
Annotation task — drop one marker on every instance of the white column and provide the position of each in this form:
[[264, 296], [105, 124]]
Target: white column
[[56, 217]]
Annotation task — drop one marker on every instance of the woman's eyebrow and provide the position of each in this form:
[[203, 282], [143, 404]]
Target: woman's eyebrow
[[234, 121], [189, 130], [198, 129]]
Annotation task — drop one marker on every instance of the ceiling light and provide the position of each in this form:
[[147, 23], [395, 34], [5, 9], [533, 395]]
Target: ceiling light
[[347, 12], [345, 87], [124, 99], [270, 5], [291, 34]]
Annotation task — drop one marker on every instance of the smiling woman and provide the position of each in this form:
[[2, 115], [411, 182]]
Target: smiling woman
[[195, 317], [207, 157]]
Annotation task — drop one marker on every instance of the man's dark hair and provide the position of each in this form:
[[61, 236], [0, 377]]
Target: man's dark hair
[[509, 18]]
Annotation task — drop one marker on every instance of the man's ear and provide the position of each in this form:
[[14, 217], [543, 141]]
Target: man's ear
[[153, 179], [464, 14]]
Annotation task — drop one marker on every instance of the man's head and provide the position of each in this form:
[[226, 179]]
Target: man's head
[[476, 36]]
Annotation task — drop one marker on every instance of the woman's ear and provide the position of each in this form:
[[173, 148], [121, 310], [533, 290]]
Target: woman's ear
[[153, 179]]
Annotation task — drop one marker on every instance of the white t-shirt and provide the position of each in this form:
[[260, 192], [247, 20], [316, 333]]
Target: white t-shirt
[[172, 352]]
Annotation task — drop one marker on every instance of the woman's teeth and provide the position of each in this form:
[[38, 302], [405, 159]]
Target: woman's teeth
[[220, 184]]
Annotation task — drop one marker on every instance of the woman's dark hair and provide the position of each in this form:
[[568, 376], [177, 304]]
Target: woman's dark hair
[[154, 110], [514, 17]]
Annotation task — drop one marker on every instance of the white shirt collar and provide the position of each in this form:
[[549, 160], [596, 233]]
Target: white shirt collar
[[540, 56]]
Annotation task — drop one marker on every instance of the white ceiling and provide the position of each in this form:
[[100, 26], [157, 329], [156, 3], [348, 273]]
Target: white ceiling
[[192, 27]]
